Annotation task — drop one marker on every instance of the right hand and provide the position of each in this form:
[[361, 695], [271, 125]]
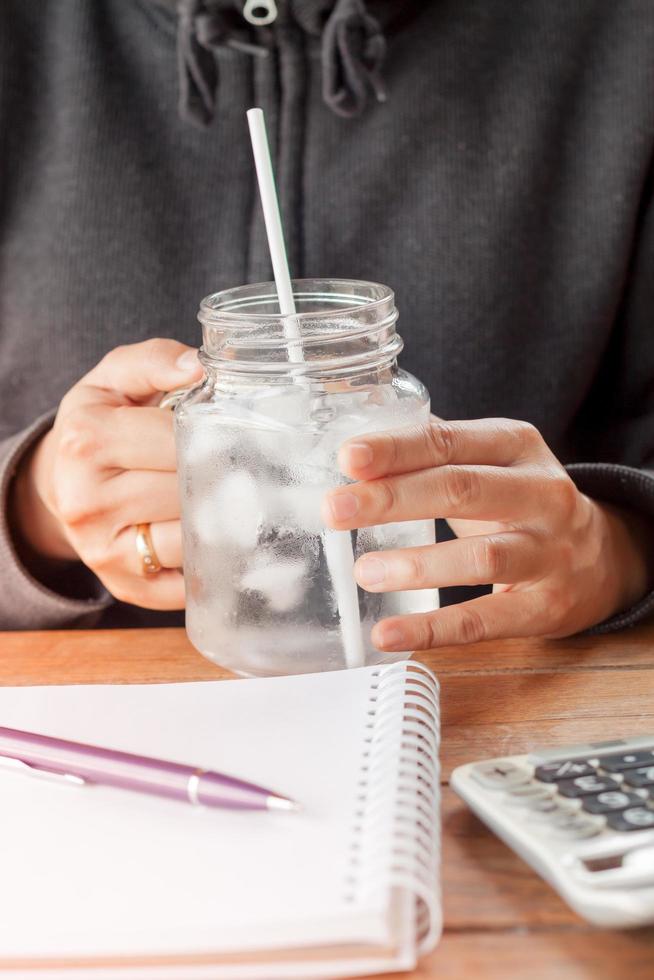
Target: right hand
[[108, 464]]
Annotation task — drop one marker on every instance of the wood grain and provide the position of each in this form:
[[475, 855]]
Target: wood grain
[[549, 954], [486, 885], [158, 655], [501, 920], [515, 713]]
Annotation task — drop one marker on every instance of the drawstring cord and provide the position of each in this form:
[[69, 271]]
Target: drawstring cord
[[203, 27], [353, 51], [196, 67]]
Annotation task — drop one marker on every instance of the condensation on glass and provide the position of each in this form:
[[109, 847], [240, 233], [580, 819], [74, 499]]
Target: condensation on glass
[[257, 442]]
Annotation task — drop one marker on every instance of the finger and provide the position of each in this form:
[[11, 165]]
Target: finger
[[160, 590], [485, 493], [117, 437], [495, 442], [140, 439], [139, 497], [134, 497], [503, 614], [507, 558], [141, 371]]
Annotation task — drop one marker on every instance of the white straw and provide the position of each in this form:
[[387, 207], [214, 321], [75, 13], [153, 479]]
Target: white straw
[[338, 544], [340, 562], [274, 230]]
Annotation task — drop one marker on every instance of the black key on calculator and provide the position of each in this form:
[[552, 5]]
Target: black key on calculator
[[610, 801], [640, 777], [553, 772], [630, 760], [585, 785], [636, 818]]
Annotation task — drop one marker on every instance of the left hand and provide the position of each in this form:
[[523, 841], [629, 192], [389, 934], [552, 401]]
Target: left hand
[[559, 561]]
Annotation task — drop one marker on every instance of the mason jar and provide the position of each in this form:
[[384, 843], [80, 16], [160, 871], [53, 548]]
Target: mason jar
[[269, 590]]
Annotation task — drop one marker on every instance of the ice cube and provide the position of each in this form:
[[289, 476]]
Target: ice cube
[[286, 406], [405, 534], [207, 522], [282, 583], [301, 506], [231, 513], [326, 443], [210, 442]]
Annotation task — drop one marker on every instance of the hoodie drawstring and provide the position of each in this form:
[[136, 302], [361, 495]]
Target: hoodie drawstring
[[202, 27], [353, 51]]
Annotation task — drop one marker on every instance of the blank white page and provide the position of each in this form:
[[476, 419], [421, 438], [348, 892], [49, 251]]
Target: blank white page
[[94, 870]]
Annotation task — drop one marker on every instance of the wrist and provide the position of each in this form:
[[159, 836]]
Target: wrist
[[629, 555], [36, 530]]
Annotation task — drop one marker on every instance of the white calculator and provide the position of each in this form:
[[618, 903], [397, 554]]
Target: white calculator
[[582, 817]]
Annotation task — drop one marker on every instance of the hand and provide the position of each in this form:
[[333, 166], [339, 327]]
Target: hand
[[559, 562], [107, 464]]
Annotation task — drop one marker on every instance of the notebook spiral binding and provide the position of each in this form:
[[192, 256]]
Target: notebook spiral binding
[[413, 835]]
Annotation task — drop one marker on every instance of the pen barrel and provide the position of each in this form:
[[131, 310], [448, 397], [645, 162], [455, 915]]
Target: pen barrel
[[124, 770], [235, 794]]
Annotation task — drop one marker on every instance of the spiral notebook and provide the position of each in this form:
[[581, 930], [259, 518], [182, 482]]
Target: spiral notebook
[[100, 883]]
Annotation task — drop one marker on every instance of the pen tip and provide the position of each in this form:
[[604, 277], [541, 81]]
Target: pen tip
[[281, 803]]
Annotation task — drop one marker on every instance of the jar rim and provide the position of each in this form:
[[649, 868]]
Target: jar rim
[[211, 310]]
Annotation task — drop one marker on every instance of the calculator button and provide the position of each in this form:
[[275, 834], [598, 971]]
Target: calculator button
[[530, 790], [552, 772], [640, 777], [611, 800], [585, 785], [636, 818], [543, 808], [499, 775], [573, 826], [630, 760]]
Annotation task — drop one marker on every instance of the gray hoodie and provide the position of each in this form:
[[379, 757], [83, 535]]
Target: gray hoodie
[[490, 161]]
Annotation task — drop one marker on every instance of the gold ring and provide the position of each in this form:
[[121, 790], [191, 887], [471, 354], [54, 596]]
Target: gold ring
[[145, 548]]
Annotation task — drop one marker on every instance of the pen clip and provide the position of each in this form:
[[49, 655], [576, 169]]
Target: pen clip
[[28, 769]]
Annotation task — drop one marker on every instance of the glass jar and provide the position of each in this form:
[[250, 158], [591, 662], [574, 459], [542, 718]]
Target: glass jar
[[268, 589]]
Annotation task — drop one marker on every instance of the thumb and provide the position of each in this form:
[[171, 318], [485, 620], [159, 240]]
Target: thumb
[[141, 371]]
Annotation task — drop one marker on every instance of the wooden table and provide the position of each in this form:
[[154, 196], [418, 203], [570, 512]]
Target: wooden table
[[501, 920]]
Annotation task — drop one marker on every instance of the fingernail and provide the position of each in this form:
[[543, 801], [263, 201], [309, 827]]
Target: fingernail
[[360, 454], [187, 362], [343, 506], [371, 571], [393, 639]]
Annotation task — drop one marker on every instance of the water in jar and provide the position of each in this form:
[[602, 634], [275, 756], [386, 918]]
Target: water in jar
[[255, 463]]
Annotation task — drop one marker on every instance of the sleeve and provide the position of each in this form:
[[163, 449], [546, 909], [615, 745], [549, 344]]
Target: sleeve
[[26, 602], [617, 420]]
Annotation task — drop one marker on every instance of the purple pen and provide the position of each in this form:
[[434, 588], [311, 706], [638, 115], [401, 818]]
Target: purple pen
[[41, 754]]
